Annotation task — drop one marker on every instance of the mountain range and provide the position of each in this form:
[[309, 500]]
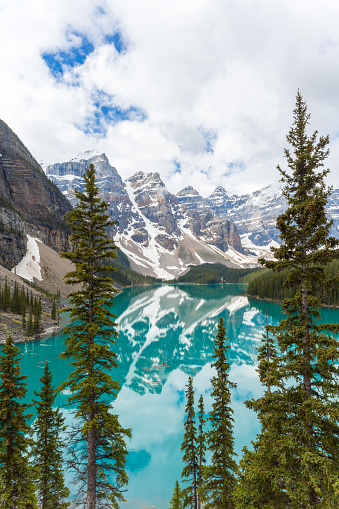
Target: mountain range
[[160, 232]]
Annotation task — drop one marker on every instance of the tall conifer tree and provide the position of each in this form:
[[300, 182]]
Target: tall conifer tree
[[47, 448], [220, 476], [300, 418], [97, 446], [177, 498], [17, 489], [189, 448], [201, 446]]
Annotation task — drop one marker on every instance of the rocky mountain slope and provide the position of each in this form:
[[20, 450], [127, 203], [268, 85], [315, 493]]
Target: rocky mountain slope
[[162, 233], [41, 271], [29, 202], [159, 232]]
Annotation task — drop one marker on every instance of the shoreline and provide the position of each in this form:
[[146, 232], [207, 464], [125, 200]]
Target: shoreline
[[20, 337], [266, 299]]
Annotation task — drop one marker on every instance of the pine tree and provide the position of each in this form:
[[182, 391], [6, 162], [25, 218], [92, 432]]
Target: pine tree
[[260, 483], [201, 446], [23, 321], [17, 489], [97, 444], [47, 448], [268, 361], [53, 312], [30, 329], [220, 476], [300, 418], [177, 498], [6, 296], [189, 448]]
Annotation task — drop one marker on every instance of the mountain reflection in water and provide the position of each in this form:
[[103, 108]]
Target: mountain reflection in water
[[166, 333]]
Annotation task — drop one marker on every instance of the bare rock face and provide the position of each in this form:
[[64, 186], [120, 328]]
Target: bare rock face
[[190, 199], [29, 202], [158, 206], [153, 225]]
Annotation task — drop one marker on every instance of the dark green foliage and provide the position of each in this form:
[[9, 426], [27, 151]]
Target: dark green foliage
[[17, 490], [19, 302], [97, 448], [123, 274], [30, 327], [220, 477], [201, 446], [189, 448], [177, 498], [211, 273], [268, 362], [53, 311], [270, 285], [47, 448], [299, 443]]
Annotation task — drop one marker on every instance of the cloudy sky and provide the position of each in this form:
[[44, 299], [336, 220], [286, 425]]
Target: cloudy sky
[[201, 91]]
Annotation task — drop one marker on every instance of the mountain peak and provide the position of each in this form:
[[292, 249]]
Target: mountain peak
[[87, 155], [187, 191]]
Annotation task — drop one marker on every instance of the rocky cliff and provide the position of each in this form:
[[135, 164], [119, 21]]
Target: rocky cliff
[[255, 214], [159, 232], [29, 202]]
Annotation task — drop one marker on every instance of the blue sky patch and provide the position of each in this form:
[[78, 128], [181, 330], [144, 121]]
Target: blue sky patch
[[236, 167], [106, 113], [57, 61], [210, 138], [177, 166], [118, 42]]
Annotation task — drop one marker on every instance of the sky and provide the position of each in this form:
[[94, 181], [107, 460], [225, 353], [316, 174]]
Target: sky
[[201, 91]]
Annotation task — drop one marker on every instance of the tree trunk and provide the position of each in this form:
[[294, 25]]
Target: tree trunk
[[91, 473], [306, 338], [92, 432]]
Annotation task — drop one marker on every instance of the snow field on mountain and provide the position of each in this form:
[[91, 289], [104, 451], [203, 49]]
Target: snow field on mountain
[[29, 267]]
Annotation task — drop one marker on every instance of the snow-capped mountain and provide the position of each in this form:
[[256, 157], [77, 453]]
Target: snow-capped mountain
[[159, 232], [255, 215], [162, 233]]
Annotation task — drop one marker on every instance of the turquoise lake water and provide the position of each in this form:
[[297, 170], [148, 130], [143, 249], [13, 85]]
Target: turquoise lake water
[[174, 326]]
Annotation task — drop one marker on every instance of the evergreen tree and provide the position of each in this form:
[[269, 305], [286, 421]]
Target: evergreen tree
[[220, 476], [176, 500], [268, 361], [47, 448], [30, 329], [201, 446], [189, 448], [300, 417], [97, 445], [53, 312], [6, 296], [23, 321], [17, 490]]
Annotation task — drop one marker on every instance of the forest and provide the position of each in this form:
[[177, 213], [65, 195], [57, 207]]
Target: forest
[[270, 285]]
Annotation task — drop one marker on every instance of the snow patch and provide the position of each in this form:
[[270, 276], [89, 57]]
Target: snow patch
[[29, 267], [85, 156]]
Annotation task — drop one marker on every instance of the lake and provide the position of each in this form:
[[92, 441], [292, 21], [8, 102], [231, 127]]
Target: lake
[[166, 333]]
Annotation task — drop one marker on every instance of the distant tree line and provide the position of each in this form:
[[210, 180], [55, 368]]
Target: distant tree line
[[19, 300], [123, 274], [213, 273], [271, 285], [22, 302]]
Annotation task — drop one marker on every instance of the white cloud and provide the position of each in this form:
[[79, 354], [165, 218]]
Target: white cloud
[[230, 69]]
